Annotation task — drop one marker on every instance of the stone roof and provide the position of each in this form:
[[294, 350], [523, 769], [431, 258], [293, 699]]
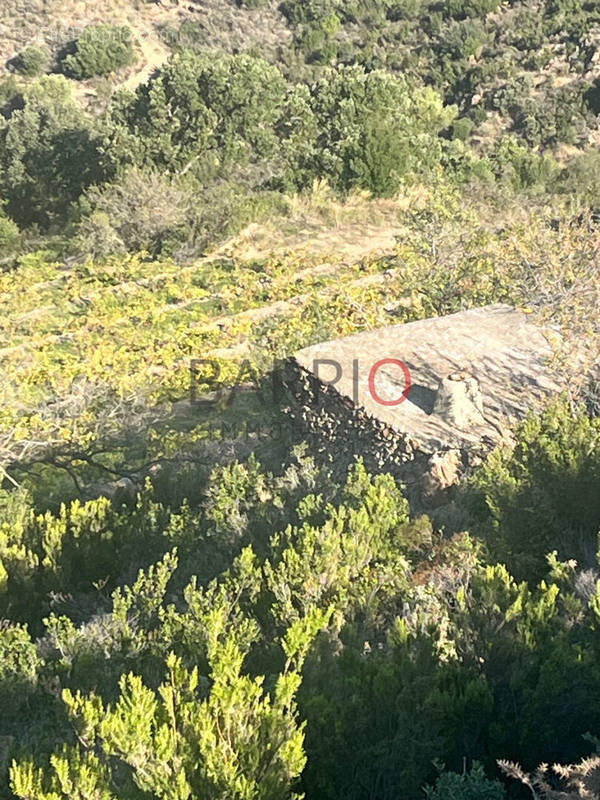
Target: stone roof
[[506, 352]]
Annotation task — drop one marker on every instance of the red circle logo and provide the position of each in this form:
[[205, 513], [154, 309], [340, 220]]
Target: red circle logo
[[407, 381]]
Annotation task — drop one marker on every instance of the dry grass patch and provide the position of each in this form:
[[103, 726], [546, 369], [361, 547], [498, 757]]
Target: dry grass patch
[[320, 223]]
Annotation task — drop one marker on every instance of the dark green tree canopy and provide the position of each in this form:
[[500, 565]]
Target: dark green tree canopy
[[49, 153]]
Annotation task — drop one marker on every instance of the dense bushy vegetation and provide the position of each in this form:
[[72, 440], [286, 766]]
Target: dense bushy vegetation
[[425, 650], [49, 153], [369, 95], [193, 603]]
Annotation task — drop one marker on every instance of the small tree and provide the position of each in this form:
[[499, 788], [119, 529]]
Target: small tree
[[374, 129], [48, 152]]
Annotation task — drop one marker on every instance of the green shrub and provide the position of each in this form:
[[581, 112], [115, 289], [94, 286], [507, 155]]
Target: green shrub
[[31, 61], [404, 9], [19, 666], [302, 12], [570, 16], [558, 117], [9, 233], [581, 179], [462, 40], [543, 496], [517, 166], [527, 31], [462, 128], [478, 114], [100, 50], [200, 112], [472, 785], [592, 97], [11, 96], [461, 9]]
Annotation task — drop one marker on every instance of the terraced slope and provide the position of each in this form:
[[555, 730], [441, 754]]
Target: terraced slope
[[92, 353], [123, 334]]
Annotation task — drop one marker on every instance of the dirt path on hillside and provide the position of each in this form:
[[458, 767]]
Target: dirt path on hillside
[[352, 241], [154, 55]]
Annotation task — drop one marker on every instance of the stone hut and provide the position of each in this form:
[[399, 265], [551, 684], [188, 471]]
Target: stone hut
[[427, 399]]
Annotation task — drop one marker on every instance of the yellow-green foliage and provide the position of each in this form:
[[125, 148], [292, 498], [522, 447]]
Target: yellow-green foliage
[[236, 740], [88, 348]]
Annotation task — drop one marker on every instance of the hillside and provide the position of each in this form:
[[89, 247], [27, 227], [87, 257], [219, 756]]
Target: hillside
[[199, 596], [72, 335]]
